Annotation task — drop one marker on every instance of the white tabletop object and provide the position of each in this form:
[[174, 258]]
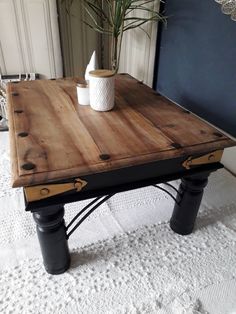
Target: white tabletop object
[[83, 94], [102, 93]]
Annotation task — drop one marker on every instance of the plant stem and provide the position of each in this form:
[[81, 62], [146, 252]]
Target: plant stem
[[121, 39], [102, 38], [114, 61]]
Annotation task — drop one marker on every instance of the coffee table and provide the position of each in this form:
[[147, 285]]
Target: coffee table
[[62, 152]]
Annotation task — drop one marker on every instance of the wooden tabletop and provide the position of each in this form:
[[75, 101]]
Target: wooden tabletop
[[53, 138]]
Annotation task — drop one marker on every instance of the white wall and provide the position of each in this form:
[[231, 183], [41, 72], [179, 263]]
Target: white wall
[[229, 159], [138, 51], [29, 38]]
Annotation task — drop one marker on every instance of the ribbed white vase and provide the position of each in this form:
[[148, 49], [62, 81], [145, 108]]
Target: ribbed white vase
[[102, 90]]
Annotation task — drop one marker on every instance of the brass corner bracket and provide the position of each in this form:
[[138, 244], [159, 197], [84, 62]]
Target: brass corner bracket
[[204, 159], [39, 192]]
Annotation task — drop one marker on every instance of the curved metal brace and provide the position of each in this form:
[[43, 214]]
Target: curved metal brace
[[87, 214], [173, 187], [104, 200], [167, 192], [82, 211]]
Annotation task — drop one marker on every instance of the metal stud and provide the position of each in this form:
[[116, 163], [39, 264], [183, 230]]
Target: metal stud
[[218, 134], [28, 166], [211, 157], [104, 156], [78, 185], [44, 191], [176, 145], [23, 134], [171, 125]]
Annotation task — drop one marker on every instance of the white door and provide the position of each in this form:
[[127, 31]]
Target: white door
[[29, 38]]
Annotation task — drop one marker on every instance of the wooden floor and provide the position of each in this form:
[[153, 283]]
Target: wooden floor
[[54, 138]]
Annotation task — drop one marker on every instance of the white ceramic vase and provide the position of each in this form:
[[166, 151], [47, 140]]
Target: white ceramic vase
[[102, 90]]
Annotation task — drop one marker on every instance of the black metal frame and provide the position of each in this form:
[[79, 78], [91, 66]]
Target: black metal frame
[[94, 201], [95, 206], [124, 179], [167, 192], [87, 214], [48, 213]]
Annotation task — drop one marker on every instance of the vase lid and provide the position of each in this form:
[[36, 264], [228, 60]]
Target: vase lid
[[102, 73]]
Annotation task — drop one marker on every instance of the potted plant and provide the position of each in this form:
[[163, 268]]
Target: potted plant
[[113, 18]]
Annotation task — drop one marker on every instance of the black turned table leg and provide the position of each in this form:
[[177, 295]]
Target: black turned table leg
[[52, 238], [189, 200]]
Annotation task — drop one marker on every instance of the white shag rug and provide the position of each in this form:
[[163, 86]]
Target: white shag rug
[[125, 258]]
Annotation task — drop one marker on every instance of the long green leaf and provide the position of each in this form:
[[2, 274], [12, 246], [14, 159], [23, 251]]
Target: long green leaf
[[112, 18]]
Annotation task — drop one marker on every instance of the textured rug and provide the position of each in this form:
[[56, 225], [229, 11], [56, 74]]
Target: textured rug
[[125, 258]]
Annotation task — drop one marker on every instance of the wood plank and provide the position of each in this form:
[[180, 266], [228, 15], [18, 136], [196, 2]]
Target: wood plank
[[176, 123], [63, 140]]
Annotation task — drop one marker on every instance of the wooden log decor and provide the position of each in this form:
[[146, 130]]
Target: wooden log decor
[[52, 138]]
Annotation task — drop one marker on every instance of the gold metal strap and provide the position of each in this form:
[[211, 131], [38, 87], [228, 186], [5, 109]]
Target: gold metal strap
[[39, 192], [204, 159]]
